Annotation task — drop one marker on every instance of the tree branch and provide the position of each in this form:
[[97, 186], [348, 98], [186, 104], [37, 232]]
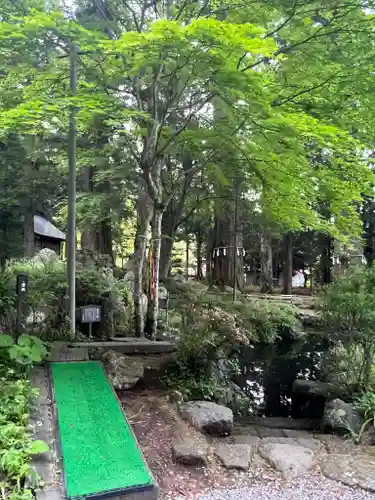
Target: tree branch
[[280, 102]]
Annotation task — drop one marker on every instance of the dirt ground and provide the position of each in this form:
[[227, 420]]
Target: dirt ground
[[157, 426]]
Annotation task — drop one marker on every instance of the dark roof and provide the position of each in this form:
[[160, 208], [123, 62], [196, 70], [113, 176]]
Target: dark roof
[[44, 228]]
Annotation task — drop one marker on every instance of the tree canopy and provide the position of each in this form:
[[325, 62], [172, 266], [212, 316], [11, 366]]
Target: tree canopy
[[188, 111]]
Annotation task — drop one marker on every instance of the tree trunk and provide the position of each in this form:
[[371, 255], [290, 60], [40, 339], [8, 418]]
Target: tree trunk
[[168, 230], [104, 231], [28, 232], [326, 260], [187, 256], [104, 244], [266, 273], [171, 219], [153, 300], [166, 256], [288, 263], [210, 245], [88, 236], [227, 253], [144, 214], [199, 274]]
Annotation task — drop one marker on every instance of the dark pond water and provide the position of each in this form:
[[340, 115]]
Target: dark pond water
[[268, 373]]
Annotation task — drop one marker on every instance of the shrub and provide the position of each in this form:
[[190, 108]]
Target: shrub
[[202, 366], [16, 398], [269, 322], [365, 403], [7, 300], [348, 310], [16, 446], [48, 294], [264, 322]]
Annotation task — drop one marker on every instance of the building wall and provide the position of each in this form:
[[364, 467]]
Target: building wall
[[42, 242]]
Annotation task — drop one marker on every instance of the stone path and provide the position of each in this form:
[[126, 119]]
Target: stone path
[[294, 452], [290, 451]]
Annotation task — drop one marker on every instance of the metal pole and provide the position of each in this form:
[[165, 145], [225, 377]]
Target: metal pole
[[235, 244], [19, 316], [71, 253]]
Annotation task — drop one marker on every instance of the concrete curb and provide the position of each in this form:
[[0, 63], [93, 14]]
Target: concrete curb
[[47, 465]]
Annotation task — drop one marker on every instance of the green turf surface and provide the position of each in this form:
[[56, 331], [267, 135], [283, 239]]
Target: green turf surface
[[98, 448]]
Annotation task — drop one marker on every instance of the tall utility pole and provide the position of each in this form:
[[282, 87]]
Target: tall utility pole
[[71, 254], [235, 247]]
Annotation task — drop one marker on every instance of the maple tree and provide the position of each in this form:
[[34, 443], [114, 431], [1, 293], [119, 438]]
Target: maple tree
[[196, 100]]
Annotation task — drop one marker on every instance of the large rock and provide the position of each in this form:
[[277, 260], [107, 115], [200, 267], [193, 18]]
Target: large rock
[[36, 317], [123, 371], [190, 452], [307, 442], [235, 456], [45, 256], [351, 470], [291, 459], [163, 292], [341, 416], [336, 445], [209, 417], [315, 388]]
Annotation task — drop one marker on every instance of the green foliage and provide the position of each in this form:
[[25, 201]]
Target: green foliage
[[48, 293], [16, 399], [285, 128], [365, 403], [47, 281], [267, 322], [263, 321], [23, 354], [343, 366], [7, 295], [213, 332], [348, 309], [16, 445], [210, 335], [7, 300], [273, 103]]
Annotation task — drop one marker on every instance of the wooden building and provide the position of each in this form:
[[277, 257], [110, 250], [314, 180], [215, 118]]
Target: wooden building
[[46, 235]]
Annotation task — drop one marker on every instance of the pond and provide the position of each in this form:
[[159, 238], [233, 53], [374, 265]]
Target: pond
[[268, 373]]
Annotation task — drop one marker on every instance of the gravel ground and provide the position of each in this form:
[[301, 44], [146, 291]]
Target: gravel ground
[[317, 488]]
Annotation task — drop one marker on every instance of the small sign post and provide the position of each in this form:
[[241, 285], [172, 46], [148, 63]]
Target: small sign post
[[22, 287], [90, 315]]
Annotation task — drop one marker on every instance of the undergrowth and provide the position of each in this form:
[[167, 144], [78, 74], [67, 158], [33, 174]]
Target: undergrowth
[[213, 331], [16, 399]]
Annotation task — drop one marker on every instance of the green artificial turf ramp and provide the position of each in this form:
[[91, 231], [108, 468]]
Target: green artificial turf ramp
[[100, 454]]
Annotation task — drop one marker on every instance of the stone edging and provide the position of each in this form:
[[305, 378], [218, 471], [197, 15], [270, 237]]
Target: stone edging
[[47, 465]]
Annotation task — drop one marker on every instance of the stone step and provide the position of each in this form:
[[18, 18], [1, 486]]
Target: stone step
[[280, 423], [129, 346]]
